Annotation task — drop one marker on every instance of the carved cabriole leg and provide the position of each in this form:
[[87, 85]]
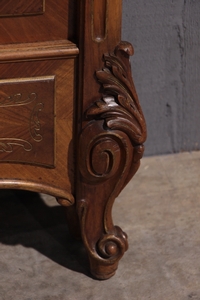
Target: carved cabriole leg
[[110, 132], [110, 148]]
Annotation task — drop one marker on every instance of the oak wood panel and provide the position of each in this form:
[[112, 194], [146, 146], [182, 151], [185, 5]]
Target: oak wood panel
[[110, 135], [92, 50], [91, 59]]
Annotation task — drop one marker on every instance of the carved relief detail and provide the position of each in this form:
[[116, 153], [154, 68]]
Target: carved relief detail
[[111, 145], [99, 20]]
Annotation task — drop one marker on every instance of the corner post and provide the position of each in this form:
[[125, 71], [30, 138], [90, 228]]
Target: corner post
[[111, 131]]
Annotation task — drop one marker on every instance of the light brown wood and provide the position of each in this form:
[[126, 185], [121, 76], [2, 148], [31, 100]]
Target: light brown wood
[[71, 123]]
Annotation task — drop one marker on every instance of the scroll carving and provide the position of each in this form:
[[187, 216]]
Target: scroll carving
[[111, 146]]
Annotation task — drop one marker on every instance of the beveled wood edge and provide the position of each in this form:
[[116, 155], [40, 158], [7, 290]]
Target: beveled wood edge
[[15, 184], [38, 50]]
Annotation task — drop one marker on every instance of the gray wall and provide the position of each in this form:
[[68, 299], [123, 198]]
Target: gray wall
[[166, 70]]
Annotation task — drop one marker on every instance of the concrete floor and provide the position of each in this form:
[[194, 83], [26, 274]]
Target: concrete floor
[[159, 210]]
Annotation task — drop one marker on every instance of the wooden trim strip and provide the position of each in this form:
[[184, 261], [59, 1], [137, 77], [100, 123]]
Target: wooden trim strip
[[35, 51], [36, 187]]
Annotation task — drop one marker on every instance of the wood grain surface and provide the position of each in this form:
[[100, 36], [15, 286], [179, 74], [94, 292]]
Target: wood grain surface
[[10, 8], [57, 22]]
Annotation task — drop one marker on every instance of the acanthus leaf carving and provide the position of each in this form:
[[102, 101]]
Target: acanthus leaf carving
[[119, 106], [110, 149]]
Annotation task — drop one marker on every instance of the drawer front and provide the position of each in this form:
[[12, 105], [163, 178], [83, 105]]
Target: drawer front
[[26, 21], [36, 124], [27, 120]]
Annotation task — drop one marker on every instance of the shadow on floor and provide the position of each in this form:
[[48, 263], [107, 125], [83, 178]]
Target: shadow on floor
[[26, 219]]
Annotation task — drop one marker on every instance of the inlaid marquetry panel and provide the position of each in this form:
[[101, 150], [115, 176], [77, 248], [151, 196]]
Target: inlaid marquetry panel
[[21, 7], [27, 120], [29, 21]]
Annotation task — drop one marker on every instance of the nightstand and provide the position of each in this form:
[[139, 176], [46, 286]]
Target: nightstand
[[71, 123]]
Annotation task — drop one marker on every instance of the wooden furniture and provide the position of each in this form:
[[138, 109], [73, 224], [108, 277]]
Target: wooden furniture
[[71, 124]]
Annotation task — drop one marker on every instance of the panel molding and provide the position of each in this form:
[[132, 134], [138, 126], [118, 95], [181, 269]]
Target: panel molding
[[13, 8], [99, 20], [27, 117], [38, 50]]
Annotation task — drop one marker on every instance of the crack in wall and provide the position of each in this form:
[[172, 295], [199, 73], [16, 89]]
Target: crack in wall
[[180, 30]]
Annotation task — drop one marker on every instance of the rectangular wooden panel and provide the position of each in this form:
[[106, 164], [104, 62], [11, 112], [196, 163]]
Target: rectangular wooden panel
[[36, 23], [21, 7], [27, 120], [49, 166]]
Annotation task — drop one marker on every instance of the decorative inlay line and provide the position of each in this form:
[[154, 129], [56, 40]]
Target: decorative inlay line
[[35, 125], [16, 99], [110, 148], [27, 120], [6, 144]]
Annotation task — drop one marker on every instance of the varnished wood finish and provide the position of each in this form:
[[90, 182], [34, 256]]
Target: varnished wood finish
[[38, 51], [110, 150], [71, 123], [57, 22], [111, 135], [10, 8], [47, 163]]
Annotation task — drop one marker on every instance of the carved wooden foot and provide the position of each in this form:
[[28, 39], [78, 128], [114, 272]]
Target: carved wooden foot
[[105, 246], [110, 148]]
